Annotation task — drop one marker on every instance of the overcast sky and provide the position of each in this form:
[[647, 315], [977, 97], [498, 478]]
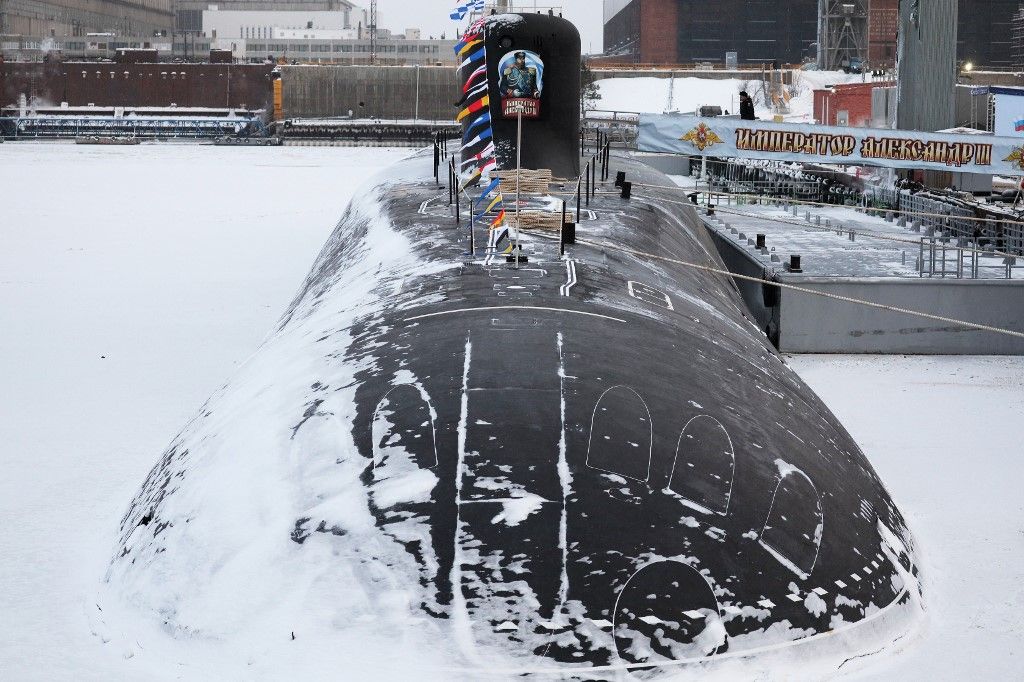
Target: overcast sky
[[432, 16]]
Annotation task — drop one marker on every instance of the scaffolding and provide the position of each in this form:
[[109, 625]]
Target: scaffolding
[[842, 34], [1017, 38]]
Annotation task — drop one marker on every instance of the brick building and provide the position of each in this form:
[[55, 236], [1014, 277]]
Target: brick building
[[883, 25], [847, 104], [689, 31], [984, 32]]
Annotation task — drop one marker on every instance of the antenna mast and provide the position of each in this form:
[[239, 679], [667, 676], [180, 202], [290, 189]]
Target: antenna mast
[[373, 31]]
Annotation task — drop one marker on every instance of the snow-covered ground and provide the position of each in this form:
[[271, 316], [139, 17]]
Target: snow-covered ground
[[134, 280], [651, 95]]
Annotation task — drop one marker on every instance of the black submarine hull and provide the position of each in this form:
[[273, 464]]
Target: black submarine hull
[[590, 465]]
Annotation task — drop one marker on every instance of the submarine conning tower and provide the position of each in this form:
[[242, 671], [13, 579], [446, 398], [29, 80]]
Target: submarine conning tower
[[532, 66]]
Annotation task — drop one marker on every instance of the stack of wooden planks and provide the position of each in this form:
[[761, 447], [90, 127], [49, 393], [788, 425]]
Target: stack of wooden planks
[[530, 181], [540, 220]]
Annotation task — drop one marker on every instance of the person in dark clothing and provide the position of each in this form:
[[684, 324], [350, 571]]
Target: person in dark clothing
[[746, 106]]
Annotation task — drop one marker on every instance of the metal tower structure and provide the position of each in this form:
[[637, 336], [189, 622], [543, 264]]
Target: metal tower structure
[[373, 31], [842, 33]]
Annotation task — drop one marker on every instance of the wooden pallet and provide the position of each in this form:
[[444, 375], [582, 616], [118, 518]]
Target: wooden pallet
[[530, 181], [539, 220]]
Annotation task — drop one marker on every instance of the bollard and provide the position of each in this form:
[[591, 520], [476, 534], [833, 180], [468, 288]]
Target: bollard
[[794, 263], [620, 177], [627, 189], [711, 209], [817, 220], [760, 241]]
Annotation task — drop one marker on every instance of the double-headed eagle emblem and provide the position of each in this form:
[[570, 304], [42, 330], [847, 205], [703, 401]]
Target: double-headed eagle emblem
[[1016, 157], [702, 137]]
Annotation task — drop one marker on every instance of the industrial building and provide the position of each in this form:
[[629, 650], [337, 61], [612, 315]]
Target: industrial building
[[692, 31], [883, 25], [791, 31], [219, 23], [985, 33], [188, 14], [43, 19]]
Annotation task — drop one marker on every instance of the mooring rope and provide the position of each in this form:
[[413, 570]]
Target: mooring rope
[[793, 287]]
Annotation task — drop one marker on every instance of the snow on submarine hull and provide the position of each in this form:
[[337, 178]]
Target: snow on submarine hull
[[593, 465]]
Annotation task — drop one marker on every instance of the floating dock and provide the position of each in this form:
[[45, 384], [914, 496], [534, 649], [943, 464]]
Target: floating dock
[[893, 261]]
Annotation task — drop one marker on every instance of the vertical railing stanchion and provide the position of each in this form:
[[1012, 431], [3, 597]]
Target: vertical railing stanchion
[[458, 199], [561, 233], [437, 160], [579, 186], [472, 227], [586, 172]]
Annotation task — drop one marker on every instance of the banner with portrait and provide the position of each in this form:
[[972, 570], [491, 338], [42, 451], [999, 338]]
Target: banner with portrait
[[520, 84]]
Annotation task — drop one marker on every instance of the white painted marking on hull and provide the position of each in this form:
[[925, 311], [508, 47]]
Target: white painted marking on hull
[[462, 626], [513, 307], [570, 277], [565, 480]]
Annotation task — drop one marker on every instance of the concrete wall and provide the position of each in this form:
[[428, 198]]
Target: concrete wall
[[814, 324], [386, 92]]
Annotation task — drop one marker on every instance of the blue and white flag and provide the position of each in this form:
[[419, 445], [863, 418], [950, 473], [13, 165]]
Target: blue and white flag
[[459, 13]]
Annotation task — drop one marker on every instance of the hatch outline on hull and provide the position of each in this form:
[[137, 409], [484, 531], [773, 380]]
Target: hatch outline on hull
[[650, 441], [430, 411], [776, 552], [697, 506]]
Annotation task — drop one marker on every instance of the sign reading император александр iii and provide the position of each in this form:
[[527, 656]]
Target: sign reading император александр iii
[[736, 138]]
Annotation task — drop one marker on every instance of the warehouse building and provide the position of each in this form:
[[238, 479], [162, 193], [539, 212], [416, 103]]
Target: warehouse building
[[42, 19], [694, 31], [787, 31]]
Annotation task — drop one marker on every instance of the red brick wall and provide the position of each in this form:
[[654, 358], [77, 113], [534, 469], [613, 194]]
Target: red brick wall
[[659, 22], [854, 98], [883, 21]]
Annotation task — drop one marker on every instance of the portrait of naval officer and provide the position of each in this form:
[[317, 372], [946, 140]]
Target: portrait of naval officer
[[518, 79]]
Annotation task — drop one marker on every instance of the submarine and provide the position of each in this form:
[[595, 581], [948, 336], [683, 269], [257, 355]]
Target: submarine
[[525, 458]]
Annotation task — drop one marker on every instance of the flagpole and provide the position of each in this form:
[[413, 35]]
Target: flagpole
[[519, 165]]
